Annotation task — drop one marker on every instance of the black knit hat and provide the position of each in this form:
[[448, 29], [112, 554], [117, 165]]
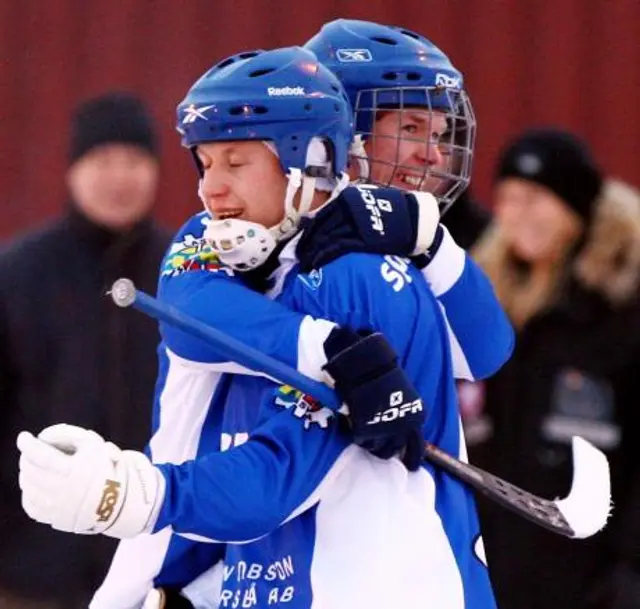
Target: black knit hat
[[114, 117], [555, 159]]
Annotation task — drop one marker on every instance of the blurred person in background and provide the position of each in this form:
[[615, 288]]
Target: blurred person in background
[[563, 253], [66, 353]]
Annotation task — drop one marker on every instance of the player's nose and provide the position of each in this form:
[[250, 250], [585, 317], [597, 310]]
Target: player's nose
[[429, 154], [214, 185]]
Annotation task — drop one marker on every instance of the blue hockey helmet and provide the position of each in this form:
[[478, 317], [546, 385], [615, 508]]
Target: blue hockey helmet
[[285, 96], [392, 69], [287, 99]]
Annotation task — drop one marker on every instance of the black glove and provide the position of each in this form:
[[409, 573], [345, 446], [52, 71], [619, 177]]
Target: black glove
[[371, 220], [385, 410], [172, 599]]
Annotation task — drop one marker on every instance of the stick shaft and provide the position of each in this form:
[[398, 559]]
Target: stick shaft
[[226, 345], [541, 511]]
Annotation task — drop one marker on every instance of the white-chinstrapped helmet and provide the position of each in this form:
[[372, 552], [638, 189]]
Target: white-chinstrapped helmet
[[287, 99]]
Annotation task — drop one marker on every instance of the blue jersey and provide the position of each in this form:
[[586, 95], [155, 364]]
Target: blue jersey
[[283, 499], [193, 280], [190, 375]]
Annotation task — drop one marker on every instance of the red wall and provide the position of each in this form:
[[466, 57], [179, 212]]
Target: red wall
[[571, 62]]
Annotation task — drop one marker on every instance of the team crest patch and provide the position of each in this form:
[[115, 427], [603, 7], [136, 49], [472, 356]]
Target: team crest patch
[[192, 254], [303, 407], [312, 280]]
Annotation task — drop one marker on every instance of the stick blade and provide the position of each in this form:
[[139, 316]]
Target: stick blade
[[587, 506]]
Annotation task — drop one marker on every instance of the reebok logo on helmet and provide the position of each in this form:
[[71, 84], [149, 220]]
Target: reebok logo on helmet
[[285, 91]]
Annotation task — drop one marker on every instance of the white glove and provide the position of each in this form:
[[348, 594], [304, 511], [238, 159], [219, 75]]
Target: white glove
[[74, 481]]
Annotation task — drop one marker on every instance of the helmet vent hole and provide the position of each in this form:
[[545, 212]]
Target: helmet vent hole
[[413, 76], [307, 107], [260, 110], [384, 40], [411, 34], [225, 63], [236, 110], [390, 76], [248, 55], [262, 72]]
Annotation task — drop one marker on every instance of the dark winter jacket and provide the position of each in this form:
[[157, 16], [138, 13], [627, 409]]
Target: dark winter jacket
[[67, 354], [466, 220], [575, 371]]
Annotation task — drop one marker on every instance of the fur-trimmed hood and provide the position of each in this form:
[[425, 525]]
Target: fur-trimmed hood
[[607, 263]]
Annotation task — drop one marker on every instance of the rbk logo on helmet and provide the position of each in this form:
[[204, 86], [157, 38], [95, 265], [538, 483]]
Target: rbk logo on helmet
[[192, 114], [444, 80], [353, 55]]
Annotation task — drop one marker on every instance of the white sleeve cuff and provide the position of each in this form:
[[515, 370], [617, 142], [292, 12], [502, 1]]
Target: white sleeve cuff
[[428, 220], [447, 265], [311, 356]]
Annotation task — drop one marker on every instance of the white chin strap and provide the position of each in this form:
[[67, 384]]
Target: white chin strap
[[358, 152], [244, 245]]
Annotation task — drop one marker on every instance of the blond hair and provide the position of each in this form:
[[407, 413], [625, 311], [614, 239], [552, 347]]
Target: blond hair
[[608, 262]]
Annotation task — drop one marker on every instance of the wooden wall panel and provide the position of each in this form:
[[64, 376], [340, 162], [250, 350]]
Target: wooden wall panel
[[568, 62]]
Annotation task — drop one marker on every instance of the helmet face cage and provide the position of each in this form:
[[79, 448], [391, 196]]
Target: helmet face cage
[[445, 161]]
